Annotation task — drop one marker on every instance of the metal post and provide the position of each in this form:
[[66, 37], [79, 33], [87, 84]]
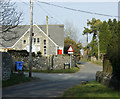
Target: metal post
[[31, 31], [48, 62], [70, 60]]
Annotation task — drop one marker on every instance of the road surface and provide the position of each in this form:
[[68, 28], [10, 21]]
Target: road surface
[[52, 85]]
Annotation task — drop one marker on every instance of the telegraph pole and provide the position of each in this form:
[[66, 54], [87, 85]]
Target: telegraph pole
[[87, 46], [119, 11], [47, 43], [47, 35], [30, 47], [98, 47]]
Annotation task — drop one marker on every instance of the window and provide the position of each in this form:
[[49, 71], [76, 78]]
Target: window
[[24, 41], [44, 46], [38, 40], [32, 34], [34, 40], [44, 42], [45, 51]]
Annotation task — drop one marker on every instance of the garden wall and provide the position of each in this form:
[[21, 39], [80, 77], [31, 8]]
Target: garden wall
[[6, 65], [108, 80], [107, 67], [42, 63], [105, 77]]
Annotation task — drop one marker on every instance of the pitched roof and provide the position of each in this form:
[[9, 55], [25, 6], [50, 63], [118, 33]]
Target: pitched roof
[[20, 30], [56, 33]]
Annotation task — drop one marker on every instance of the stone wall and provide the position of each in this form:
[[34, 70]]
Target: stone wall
[[51, 62], [106, 77], [93, 58], [107, 67], [58, 61], [6, 65], [38, 62], [108, 80]]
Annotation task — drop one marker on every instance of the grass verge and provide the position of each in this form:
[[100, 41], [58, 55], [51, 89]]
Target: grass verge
[[84, 60], [72, 70], [91, 90], [16, 79], [98, 63], [95, 62]]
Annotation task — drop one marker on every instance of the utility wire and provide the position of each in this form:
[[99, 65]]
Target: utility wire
[[73, 9], [48, 13], [45, 11], [25, 3], [56, 19]]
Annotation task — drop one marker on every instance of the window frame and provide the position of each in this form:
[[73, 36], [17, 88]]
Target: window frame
[[34, 40], [24, 41], [38, 40], [45, 47], [44, 42]]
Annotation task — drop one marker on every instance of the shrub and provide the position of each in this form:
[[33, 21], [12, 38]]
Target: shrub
[[23, 53], [33, 54], [113, 51], [39, 53]]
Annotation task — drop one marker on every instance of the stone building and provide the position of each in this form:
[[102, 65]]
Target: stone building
[[51, 44]]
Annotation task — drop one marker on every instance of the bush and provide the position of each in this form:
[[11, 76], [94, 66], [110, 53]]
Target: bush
[[23, 53], [33, 54], [113, 52], [39, 53]]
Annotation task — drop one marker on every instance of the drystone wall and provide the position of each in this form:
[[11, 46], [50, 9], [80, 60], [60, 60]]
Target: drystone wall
[[108, 80], [106, 77], [7, 65], [51, 62]]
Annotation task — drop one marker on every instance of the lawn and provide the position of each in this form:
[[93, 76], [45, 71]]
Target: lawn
[[72, 70], [91, 89], [16, 79]]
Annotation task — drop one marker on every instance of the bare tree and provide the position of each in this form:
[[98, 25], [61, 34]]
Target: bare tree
[[9, 19], [71, 31]]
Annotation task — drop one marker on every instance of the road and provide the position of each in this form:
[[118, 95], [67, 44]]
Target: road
[[52, 85]]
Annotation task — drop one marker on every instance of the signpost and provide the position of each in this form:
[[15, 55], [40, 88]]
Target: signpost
[[70, 51]]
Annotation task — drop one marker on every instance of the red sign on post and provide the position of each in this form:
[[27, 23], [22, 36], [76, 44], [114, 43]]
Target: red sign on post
[[70, 50]]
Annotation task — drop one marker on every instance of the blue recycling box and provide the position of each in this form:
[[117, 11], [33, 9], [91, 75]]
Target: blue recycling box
[[18, 65]]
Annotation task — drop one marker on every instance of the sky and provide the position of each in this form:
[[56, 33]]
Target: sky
[[61, 16], [73, 0]]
